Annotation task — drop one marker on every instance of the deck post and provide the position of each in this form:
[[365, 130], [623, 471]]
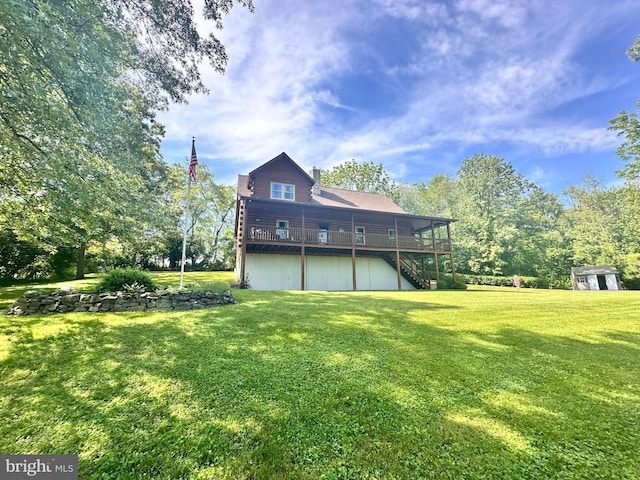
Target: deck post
[[353, 252], [302, 258], [243, 241], [433, 237], [395, 220], [435, 257], [453, 268]]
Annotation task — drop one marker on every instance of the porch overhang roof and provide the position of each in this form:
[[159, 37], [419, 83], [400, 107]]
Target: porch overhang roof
[[419, 222]]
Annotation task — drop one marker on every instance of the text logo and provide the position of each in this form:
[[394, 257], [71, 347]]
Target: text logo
[[49, 467]]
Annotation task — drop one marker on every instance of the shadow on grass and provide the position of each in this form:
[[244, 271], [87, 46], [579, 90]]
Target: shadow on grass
[[351, 388]]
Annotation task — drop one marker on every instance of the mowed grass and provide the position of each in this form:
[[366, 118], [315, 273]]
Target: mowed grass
[[484, 383]]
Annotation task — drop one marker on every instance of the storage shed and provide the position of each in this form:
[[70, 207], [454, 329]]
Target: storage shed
[[595, 278]]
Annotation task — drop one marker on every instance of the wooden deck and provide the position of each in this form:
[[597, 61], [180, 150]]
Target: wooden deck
[[259, 234]]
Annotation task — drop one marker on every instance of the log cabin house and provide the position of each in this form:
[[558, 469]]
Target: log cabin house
[[292, 233]]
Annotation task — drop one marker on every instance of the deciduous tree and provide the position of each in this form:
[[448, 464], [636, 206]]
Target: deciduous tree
[[595, 223], [363, 177], [627, 126], [80, 82], [490, 191]]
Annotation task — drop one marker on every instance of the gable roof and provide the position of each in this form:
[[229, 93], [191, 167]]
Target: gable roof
[[283, 157], [338, 197], [327, 196], [601, 270]]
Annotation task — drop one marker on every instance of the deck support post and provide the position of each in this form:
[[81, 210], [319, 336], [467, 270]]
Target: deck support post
[[353, 252], [395, 225], [243, 241], [433, 237], [453, 268], [302, 259]]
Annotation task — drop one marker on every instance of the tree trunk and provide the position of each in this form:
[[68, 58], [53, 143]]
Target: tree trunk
[[80, 262]]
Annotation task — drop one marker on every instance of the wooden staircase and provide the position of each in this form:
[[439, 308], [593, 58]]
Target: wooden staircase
[[412, 270]]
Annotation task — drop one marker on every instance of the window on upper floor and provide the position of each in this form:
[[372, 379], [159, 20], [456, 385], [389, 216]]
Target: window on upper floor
[[283, 191]]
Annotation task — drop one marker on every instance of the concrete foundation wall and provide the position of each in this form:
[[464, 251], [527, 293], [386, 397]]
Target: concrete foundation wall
[[283, 272]]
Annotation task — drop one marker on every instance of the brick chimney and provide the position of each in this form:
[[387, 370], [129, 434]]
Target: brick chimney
[[315, 173]]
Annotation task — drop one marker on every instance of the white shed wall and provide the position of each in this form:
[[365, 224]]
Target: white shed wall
[[612, 283]]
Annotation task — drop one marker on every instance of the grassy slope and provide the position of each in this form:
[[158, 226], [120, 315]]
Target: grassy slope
[[487, 383]]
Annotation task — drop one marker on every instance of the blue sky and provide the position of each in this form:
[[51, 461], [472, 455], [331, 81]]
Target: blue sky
[[417, 86]]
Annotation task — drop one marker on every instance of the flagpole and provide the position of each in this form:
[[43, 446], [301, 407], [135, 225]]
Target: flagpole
[[187, 217], [193, 162]]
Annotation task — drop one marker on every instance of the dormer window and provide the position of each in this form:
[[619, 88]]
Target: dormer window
[[283, 191]]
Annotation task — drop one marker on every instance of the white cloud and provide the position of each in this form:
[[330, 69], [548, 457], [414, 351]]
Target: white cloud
[[507, 13], [476, 72]]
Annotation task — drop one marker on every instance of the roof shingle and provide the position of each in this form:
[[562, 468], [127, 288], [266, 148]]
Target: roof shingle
[[338, 197]]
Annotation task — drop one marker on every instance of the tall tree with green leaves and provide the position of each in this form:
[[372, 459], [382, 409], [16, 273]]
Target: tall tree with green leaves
[[80, 82], [363, 177], [595, 224], [210, 226], [627, 125], [437, 198], [490, 192], [540, 247]]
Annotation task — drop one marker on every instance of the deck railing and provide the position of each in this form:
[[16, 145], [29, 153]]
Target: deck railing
[[335, 238]]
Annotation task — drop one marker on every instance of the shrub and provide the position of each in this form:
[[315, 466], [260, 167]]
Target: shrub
[[126, 279], [525, 282], [563, 283], [631, 283], [242, 284], [631, 271], [534, 282], [446, 282]]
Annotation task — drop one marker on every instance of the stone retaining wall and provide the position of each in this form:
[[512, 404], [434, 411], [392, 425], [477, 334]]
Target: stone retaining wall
[[36, 302]]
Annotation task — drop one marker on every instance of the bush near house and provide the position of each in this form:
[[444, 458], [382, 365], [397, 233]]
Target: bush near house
[[446, 282], [125, 279]]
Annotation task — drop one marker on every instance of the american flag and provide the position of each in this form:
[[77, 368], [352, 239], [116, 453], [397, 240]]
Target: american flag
[[193, 162]]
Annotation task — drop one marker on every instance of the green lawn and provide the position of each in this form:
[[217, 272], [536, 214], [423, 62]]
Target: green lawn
[[484, 383]]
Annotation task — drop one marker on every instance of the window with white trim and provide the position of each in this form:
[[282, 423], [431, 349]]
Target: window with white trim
[[359, 231], [283, 191]]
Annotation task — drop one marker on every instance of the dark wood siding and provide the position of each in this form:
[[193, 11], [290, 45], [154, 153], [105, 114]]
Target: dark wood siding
[[262, 216], [281, 171], [268, 214]]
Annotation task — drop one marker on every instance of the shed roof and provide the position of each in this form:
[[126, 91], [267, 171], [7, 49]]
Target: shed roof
[[596, 270]]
